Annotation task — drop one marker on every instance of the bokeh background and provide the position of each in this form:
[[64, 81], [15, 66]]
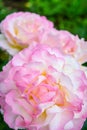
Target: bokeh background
[[68, 15]]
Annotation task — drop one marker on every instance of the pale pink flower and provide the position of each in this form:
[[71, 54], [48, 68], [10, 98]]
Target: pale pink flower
[[67, 43], [42, 89], [20, 29]]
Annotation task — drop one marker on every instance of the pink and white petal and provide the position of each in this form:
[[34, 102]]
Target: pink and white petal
[[20, 123], [60, 119], [75, 124], [17, 108], [9, 116], [6, 46]]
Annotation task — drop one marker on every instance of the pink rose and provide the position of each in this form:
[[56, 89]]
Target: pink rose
[[20, 29], [67, 43], [42, 89]]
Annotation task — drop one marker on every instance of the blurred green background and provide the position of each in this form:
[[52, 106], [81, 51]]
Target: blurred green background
[[68, 15]]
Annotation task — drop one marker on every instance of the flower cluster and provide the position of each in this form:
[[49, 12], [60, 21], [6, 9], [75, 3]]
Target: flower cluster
[[44, 86]]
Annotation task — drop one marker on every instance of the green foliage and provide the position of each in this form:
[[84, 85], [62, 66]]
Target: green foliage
[[3, 126], [85, 126], [4, 11], [4, 58], [66, 15]]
